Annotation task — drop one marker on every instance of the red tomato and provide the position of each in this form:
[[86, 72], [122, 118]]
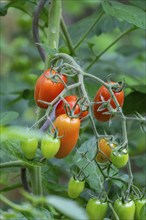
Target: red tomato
[[68, 128], [47, 90], [71, 101], [103, 93]]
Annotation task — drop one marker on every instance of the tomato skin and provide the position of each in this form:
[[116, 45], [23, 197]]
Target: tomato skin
[[105, 147], [96, 209], [119, 159], [139, 204], [68, 128], [71, 101], [29, 147], [49, 146], [103, 92], [125, 211], [47, 90], [75, 187]]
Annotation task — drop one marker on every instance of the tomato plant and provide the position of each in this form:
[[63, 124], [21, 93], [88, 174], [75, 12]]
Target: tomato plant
[[125, 211], [96, 209], [49, 146], [139, 205], [47, 90], [68, 128], [29, 147], [104, 95], [75, 187], [71, 100], [119, 159], [106, 148]]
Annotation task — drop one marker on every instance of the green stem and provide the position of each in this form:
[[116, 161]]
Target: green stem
[[89, 30], [67, 37], [115, 214], [34, 180], [17, 163], [53, 28], [18, 208], [39, 174], [9, 188], [114, 42]]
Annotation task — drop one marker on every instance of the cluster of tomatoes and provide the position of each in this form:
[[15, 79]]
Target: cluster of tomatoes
[[97, 208], [48, 86]]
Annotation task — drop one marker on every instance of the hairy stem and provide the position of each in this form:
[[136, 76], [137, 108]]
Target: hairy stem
[[17, 163]]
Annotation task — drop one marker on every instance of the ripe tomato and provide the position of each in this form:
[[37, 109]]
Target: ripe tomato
[[119, 159], [140, 205], [101, 94], [49, 146], [106, 148], [125, 211], [75, 187], [68, 128], [71, 101], [47, 90], [29, 147], [96, 209]]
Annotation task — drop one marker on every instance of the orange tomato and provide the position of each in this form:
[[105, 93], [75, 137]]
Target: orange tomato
[[47, 90], [106, 148], [69, 129]]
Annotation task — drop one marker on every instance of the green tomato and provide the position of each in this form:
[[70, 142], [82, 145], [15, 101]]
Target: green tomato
[[119, 159], [75, 187], [140, 206], [49, 146], [29, 147], [125, 211], [96, 209]]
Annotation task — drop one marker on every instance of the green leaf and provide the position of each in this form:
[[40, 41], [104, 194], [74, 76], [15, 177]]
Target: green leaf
[[7, 117], [124, 12], [135, 102], [68, 207], [84, 154]]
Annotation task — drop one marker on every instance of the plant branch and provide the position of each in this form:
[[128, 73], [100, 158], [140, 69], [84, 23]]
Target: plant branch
[[17, 163], [107, 48], [67, 37], [35, 30], [9, 188], [89, 30]]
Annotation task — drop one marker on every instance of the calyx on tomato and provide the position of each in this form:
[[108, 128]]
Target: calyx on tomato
[[46, 89], [126, 210], [29, 147], [68, 129], [102, 113], [72, 101], [49, 146], [75, 187], [105, 146], [96, 209], [119, 158]]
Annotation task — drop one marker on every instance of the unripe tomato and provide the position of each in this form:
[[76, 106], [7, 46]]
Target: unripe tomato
[[75, 187], [49, 146], [119, 159], [68, 128], [125, 211], [96, 209], [101, 94], [47, 90], [139, 205], [106, 148], [29, 147], [71, 101]]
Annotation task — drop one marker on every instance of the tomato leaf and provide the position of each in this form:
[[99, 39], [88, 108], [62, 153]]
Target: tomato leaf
[[7, 117], [82, 157], [129, 13], [68, 207]]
